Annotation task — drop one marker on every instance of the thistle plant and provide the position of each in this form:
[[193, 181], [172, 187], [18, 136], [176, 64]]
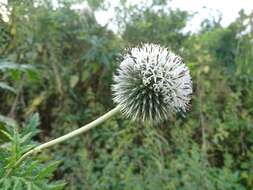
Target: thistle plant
[[151, 83]]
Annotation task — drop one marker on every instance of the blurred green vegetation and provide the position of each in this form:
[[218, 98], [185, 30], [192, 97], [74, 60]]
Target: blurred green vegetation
[[59, 62]]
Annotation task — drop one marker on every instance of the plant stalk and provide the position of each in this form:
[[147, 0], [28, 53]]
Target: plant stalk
[[71, 134]]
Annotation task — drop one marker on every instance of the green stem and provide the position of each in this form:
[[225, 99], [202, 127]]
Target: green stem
[[71, 134]]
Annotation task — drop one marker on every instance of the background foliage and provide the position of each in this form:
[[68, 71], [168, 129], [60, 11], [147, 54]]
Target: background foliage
[[58, 62]]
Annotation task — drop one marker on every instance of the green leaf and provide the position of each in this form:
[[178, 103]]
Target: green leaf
[[25, 138], [6, 184], [17, 184], [57, 185], [33, 121], [73, 81], [32, 124], [6, 134], [28, 171], [47, 171], [8, 121], [5, 86], [13, 66]]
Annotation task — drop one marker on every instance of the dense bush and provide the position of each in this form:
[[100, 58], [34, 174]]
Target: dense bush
[[59, 62]]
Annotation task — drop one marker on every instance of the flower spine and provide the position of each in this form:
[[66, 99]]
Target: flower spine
[[151, 83]]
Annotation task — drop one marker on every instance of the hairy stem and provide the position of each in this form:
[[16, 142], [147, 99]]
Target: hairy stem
[[71, 134]]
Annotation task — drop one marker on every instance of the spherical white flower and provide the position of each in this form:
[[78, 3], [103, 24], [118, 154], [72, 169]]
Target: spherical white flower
[[151, 83]]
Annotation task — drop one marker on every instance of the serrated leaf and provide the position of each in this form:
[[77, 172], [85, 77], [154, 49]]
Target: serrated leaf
[[6, 184], [32, 124], [17, 184], [30, 174], [47, 171], [57, 185], [32, 166], [28, 184], [25, 138]]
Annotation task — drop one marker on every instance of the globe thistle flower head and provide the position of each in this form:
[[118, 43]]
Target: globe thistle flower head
[[151, 83]]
